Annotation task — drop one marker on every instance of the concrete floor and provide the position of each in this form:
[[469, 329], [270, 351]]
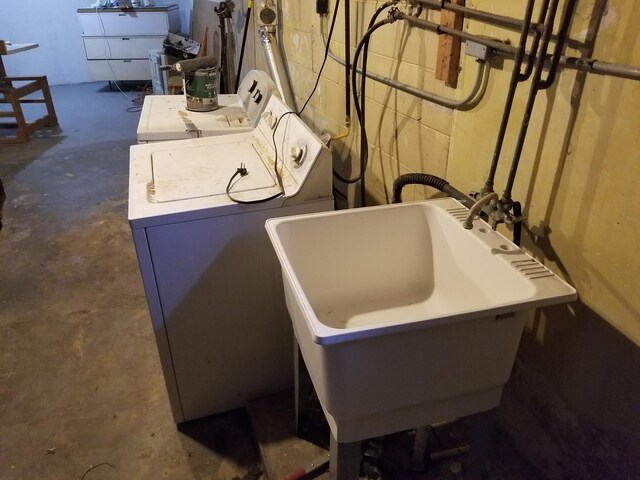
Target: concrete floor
[[81, 382]]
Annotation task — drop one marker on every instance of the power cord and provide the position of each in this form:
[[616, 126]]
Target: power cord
[[242, 170], [107, 47], [324, 60], [359, 99], [96, 466], [138, 101]]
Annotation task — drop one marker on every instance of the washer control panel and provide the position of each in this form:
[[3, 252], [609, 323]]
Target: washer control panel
[[297, 146]]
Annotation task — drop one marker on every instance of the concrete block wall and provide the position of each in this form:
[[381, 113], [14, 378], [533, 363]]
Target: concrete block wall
[[405, 133], [572, 404]]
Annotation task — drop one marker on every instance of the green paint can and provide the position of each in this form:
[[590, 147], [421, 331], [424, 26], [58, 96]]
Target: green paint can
[[201, 89]]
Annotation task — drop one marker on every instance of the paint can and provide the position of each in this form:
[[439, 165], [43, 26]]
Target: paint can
[[201, 89]]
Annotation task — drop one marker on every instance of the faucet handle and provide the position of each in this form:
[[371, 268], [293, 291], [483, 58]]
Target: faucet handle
[[490, 198]]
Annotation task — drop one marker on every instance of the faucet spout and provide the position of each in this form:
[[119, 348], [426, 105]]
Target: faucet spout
[[477, 207]]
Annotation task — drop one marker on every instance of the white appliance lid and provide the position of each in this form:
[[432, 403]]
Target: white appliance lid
[[165, 117], [202, 171]]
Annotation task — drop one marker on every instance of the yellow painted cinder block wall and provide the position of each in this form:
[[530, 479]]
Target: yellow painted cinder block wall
[[578, 173], [578, 185], [577, 181], [406, 134], [578, 170]]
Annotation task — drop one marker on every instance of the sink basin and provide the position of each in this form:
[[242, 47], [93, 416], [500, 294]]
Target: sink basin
[[403, 317]]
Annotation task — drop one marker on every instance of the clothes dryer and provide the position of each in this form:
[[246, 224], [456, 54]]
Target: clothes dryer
[[165, 117]]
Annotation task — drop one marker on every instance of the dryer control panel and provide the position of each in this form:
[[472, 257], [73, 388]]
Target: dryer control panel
[[254, 91]]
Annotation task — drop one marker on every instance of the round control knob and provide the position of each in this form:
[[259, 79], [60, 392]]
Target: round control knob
[[297, 153], [270, 119]]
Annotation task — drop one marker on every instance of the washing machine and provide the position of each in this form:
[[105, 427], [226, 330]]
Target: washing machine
[[212, 280], [165, 117]]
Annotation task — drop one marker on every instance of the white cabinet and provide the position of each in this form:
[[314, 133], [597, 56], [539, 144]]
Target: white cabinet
[[117, 41]]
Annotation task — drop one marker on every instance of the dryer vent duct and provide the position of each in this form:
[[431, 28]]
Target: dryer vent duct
[[277, 69]]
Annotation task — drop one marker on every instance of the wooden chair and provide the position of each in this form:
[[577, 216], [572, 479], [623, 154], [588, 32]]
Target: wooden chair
[[14, 96], [175, 84]]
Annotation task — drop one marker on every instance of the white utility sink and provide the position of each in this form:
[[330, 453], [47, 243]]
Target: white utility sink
[[403, 317]]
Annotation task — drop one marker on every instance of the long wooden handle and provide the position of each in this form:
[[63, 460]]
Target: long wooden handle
[[203, 44]]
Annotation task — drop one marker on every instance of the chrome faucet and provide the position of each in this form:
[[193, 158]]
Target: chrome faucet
[[477, 207]]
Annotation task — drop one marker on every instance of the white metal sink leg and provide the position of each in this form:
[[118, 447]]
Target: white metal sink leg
[[419, 448], [344, 460], [481, 443], [303, 390]]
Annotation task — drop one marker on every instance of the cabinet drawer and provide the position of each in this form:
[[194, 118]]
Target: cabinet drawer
[[121, 47], [124, 23], [114, 70]]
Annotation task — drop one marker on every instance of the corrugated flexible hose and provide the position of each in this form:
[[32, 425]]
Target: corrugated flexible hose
[[430, 181]]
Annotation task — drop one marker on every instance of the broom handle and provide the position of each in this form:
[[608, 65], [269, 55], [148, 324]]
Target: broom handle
[[244, 42], [203, 45]]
